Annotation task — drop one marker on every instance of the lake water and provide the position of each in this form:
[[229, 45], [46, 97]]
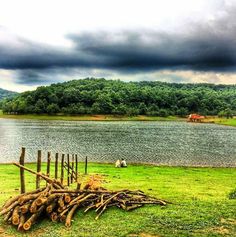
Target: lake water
[[168, 143]]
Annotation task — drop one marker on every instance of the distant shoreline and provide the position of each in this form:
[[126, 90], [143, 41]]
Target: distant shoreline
[[91, 117], [209, 119]]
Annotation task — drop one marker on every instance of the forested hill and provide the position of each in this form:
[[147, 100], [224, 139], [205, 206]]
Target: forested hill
[[6, 93], [100, 96]]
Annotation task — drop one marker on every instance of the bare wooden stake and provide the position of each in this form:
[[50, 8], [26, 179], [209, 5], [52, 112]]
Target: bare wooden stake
[[76, 168], [56, 166], [48, 164], [22, 171], [86, 165], [39, 160], [62, 168], [68, 169], [72, 168]]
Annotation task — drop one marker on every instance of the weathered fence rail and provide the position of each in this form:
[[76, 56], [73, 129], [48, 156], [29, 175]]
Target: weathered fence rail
[[68, 167]]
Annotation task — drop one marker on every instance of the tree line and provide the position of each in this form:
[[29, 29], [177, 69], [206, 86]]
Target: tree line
[[100, 96]]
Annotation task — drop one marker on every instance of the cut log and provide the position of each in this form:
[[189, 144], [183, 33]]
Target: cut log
[[28, 224], [67, 198], [76, 199], [22, 221], [52, 198], [70, 215], [51, 207], [25, 208], [16, 216], [54, 216], [61, 201], [13, 199], [40, 201], [8, 215], [5, 210], [27, 198], [62, 218], [33, 207]]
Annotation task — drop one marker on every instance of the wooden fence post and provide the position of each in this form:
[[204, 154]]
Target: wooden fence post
[[76, 168], [86, 165], [22, 171], [48, 164], [68, 169], [72, 168], [62, 168], [56, 165], [39, 159]]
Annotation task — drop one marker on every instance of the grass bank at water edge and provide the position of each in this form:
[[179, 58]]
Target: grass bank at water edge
[[90, 117]]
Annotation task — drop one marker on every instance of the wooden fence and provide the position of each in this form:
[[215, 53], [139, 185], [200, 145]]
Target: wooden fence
[[65, 168]]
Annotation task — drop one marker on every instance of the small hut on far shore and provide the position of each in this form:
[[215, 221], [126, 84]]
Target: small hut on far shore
[[195, 118]]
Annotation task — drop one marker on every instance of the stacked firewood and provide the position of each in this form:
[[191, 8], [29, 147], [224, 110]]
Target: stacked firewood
[[59, 204]]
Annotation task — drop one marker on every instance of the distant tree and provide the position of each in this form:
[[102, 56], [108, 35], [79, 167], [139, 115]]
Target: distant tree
[[120, 109], [228, 113], [182, 112], [132, 111], [40, 106], [53, 109], [163, 113], [103, 104], [153, 110], [142, 108]]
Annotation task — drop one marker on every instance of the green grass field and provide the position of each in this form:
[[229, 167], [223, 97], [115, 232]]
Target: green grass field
[[200, 203]]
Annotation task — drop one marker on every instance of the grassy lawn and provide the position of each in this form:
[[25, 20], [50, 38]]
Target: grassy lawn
[[199, 195]]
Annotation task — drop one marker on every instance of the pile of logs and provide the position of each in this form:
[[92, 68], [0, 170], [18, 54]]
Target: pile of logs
[[60, 204]]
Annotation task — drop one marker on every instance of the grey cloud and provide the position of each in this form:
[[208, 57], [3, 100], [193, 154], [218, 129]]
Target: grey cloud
[[205, 46]]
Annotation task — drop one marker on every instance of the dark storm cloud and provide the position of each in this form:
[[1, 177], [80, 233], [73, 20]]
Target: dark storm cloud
[[205, 46], [154, 50], [23, 54]]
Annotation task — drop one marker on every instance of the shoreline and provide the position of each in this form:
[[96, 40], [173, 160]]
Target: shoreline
[[92, 117], [209, 119], [141, 164]]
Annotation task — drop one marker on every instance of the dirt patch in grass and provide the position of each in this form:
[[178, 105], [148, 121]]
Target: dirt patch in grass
[[4, 234], [143, 235], [222, 230], [228, 221]]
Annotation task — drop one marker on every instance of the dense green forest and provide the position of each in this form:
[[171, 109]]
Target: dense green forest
[[100, 96]]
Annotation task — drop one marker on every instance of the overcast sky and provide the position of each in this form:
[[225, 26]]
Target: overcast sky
[[48, 41]]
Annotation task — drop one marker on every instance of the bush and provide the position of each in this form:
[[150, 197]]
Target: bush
[[228, 113], [53, 109], [232, 194], [163, 113]]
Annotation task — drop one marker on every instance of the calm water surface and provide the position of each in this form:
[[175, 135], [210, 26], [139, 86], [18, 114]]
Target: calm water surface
[[170, 143]]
